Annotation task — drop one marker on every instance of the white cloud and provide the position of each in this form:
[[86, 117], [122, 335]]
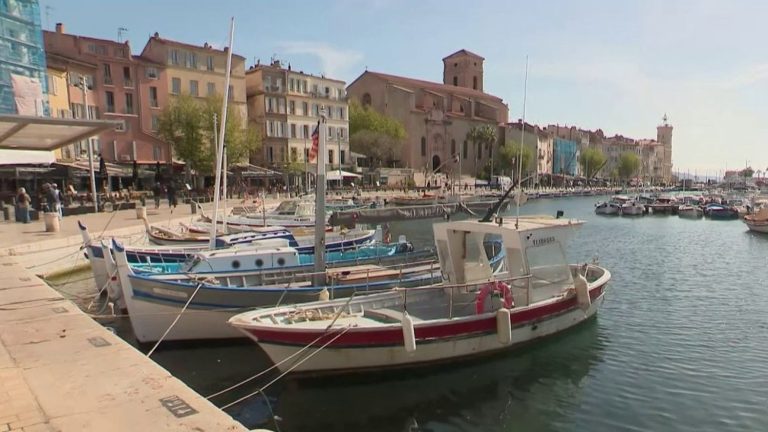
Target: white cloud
[[335, 62]]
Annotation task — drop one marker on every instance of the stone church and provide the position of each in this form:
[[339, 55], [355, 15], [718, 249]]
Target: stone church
[[437, 116]]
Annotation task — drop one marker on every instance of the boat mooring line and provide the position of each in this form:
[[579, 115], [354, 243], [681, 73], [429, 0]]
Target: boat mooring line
[[168, 330], [289, 370]]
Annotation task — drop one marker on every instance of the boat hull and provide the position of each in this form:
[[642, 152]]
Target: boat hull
[[379, 352], [761, 227]]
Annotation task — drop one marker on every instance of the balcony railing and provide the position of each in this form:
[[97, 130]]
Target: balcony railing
[[110, 108], [128, 82], [108, 80]]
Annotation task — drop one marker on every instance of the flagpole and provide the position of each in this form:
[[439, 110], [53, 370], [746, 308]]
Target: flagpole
[[322, 154]]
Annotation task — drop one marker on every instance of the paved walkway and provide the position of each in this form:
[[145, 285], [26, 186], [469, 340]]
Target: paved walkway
[[62, 371]]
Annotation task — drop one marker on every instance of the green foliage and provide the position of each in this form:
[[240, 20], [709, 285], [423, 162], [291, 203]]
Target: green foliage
[[507, 158], [375, 135], [188, 125], [484, 134], [629, 163], [747, 172], [591, 161]]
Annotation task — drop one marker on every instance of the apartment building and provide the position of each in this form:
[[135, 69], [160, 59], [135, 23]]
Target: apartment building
[[286, 104], [199, 71], [110, 73]]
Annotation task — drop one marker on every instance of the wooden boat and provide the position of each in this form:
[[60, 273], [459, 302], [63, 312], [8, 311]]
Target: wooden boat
[[408, 200], [758, 222], [690, 211], [154, 301], [540, 295], [664, 205]]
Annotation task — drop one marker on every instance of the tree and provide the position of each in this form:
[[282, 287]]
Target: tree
[[374, 134], [747, 172], [188, 125], [591, 161], [508, 155], [485, 136], [629, 163], [180, 125]]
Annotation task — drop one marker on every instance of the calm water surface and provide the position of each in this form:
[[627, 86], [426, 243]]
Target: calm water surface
[[681, 344]]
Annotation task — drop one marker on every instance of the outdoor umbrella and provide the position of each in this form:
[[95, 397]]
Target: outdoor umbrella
[[103, 170], [135, 175]]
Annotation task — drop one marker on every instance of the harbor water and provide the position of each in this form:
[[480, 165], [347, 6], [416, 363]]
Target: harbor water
[[681, 344]]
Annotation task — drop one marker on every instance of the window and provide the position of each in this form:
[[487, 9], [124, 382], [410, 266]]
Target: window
[[211, 89], [327, 92], [315, 110], [93, 112], [331, 132], [175, 85], [306, 131], [155, 122], [270, 154], [314, 89], [193, 88], [304, 109], [456, 81], [153, 97], [291, 107], [342, 132], [474, 82], [423, 146], [127, 81], [270, 104], [192, 60], [151, 72], [107, 74], [129, 103], [110, 101], [120, 52], [157, 152], [342, 158], [341, 113], [293, 131], [330, 156], [270, 128], [329, 112], [291, 84], [51, 85], [304, 86], [209, 63], [367, 99], [173, 57]]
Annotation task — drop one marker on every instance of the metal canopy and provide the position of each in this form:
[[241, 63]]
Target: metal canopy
[[18, 132]]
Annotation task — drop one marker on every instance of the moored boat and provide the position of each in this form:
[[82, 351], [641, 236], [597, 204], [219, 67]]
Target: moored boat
[[608, 208], [540, 295], [758, 222], [690, 211]]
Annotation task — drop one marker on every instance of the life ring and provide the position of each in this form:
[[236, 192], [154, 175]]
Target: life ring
[[496, 286]]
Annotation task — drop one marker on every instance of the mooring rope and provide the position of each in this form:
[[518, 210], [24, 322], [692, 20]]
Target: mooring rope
[[168, 330]]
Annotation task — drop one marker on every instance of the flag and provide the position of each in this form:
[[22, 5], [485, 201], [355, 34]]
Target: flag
[[315, 143]]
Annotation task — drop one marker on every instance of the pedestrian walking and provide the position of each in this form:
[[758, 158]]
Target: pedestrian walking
[[157, 191], [171, 190], [58, 200], [22, 206]]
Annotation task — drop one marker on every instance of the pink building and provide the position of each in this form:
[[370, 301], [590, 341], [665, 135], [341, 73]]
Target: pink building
[[119, 87]]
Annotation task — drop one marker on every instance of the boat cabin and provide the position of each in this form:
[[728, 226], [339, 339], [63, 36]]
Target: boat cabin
[[268, 254], [536, 266], [296, 207]]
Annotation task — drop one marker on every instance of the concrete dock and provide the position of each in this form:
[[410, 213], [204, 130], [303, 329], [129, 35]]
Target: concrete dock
[[62, 371]]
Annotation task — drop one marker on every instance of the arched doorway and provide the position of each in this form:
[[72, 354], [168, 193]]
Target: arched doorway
[[435, 163]]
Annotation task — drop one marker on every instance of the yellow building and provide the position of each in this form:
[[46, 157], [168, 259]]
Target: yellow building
[[58, 96]]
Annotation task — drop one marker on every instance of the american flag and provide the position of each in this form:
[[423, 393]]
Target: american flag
[[315, 143]]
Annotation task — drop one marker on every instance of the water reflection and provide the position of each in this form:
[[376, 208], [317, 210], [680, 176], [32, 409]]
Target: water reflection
[[528, 388]]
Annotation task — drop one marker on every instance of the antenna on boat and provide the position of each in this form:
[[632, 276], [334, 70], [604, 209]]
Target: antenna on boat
[[522, 140]]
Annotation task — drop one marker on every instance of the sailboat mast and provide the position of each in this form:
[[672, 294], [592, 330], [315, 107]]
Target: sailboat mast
[[520, 153], [220, 146], [322, 154]]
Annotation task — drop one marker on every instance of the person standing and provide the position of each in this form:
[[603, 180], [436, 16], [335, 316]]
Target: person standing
[[57, 199], [157, 190], [22, 206], [171, 189]]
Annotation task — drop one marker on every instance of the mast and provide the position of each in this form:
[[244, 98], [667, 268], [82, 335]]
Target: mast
[[520, 155], [220, 146], [322, 154]]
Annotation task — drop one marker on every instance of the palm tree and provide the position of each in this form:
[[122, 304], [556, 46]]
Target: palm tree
[[485, 136]]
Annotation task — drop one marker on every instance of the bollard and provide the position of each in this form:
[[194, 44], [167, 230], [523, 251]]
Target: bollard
[[141, 212], [193, 207], [6, 213], [51, 221]]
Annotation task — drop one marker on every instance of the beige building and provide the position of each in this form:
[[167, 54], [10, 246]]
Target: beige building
[[198, 70], [58, 96], [437, 117], [286, 105]]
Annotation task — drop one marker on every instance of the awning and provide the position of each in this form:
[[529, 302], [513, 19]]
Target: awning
[[340, 174], [252, 171], [81, 169], [45, 133], [18, 157]]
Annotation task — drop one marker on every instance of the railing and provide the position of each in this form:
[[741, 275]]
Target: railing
[[128, 82], [108, 81]]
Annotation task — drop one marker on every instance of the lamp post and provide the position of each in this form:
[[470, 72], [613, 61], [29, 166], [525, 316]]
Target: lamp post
[[84, 87]]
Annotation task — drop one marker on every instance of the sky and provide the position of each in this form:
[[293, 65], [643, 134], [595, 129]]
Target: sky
[[614, 65]]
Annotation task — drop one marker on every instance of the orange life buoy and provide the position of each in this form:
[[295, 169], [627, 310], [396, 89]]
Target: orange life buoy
[[487, 289]]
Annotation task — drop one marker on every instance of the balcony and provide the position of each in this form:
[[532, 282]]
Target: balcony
[[108, 81], [110, 109], [274, 89], [130, 110], [128, 82]]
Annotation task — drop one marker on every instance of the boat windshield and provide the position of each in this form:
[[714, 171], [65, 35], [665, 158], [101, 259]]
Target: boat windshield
[[287, 208], [549, 270], [305, 209]]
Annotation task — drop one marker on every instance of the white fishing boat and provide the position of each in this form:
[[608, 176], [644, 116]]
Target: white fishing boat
[[758, 222], [687, 211], [474, 312], [608, 208], [629, 206]]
